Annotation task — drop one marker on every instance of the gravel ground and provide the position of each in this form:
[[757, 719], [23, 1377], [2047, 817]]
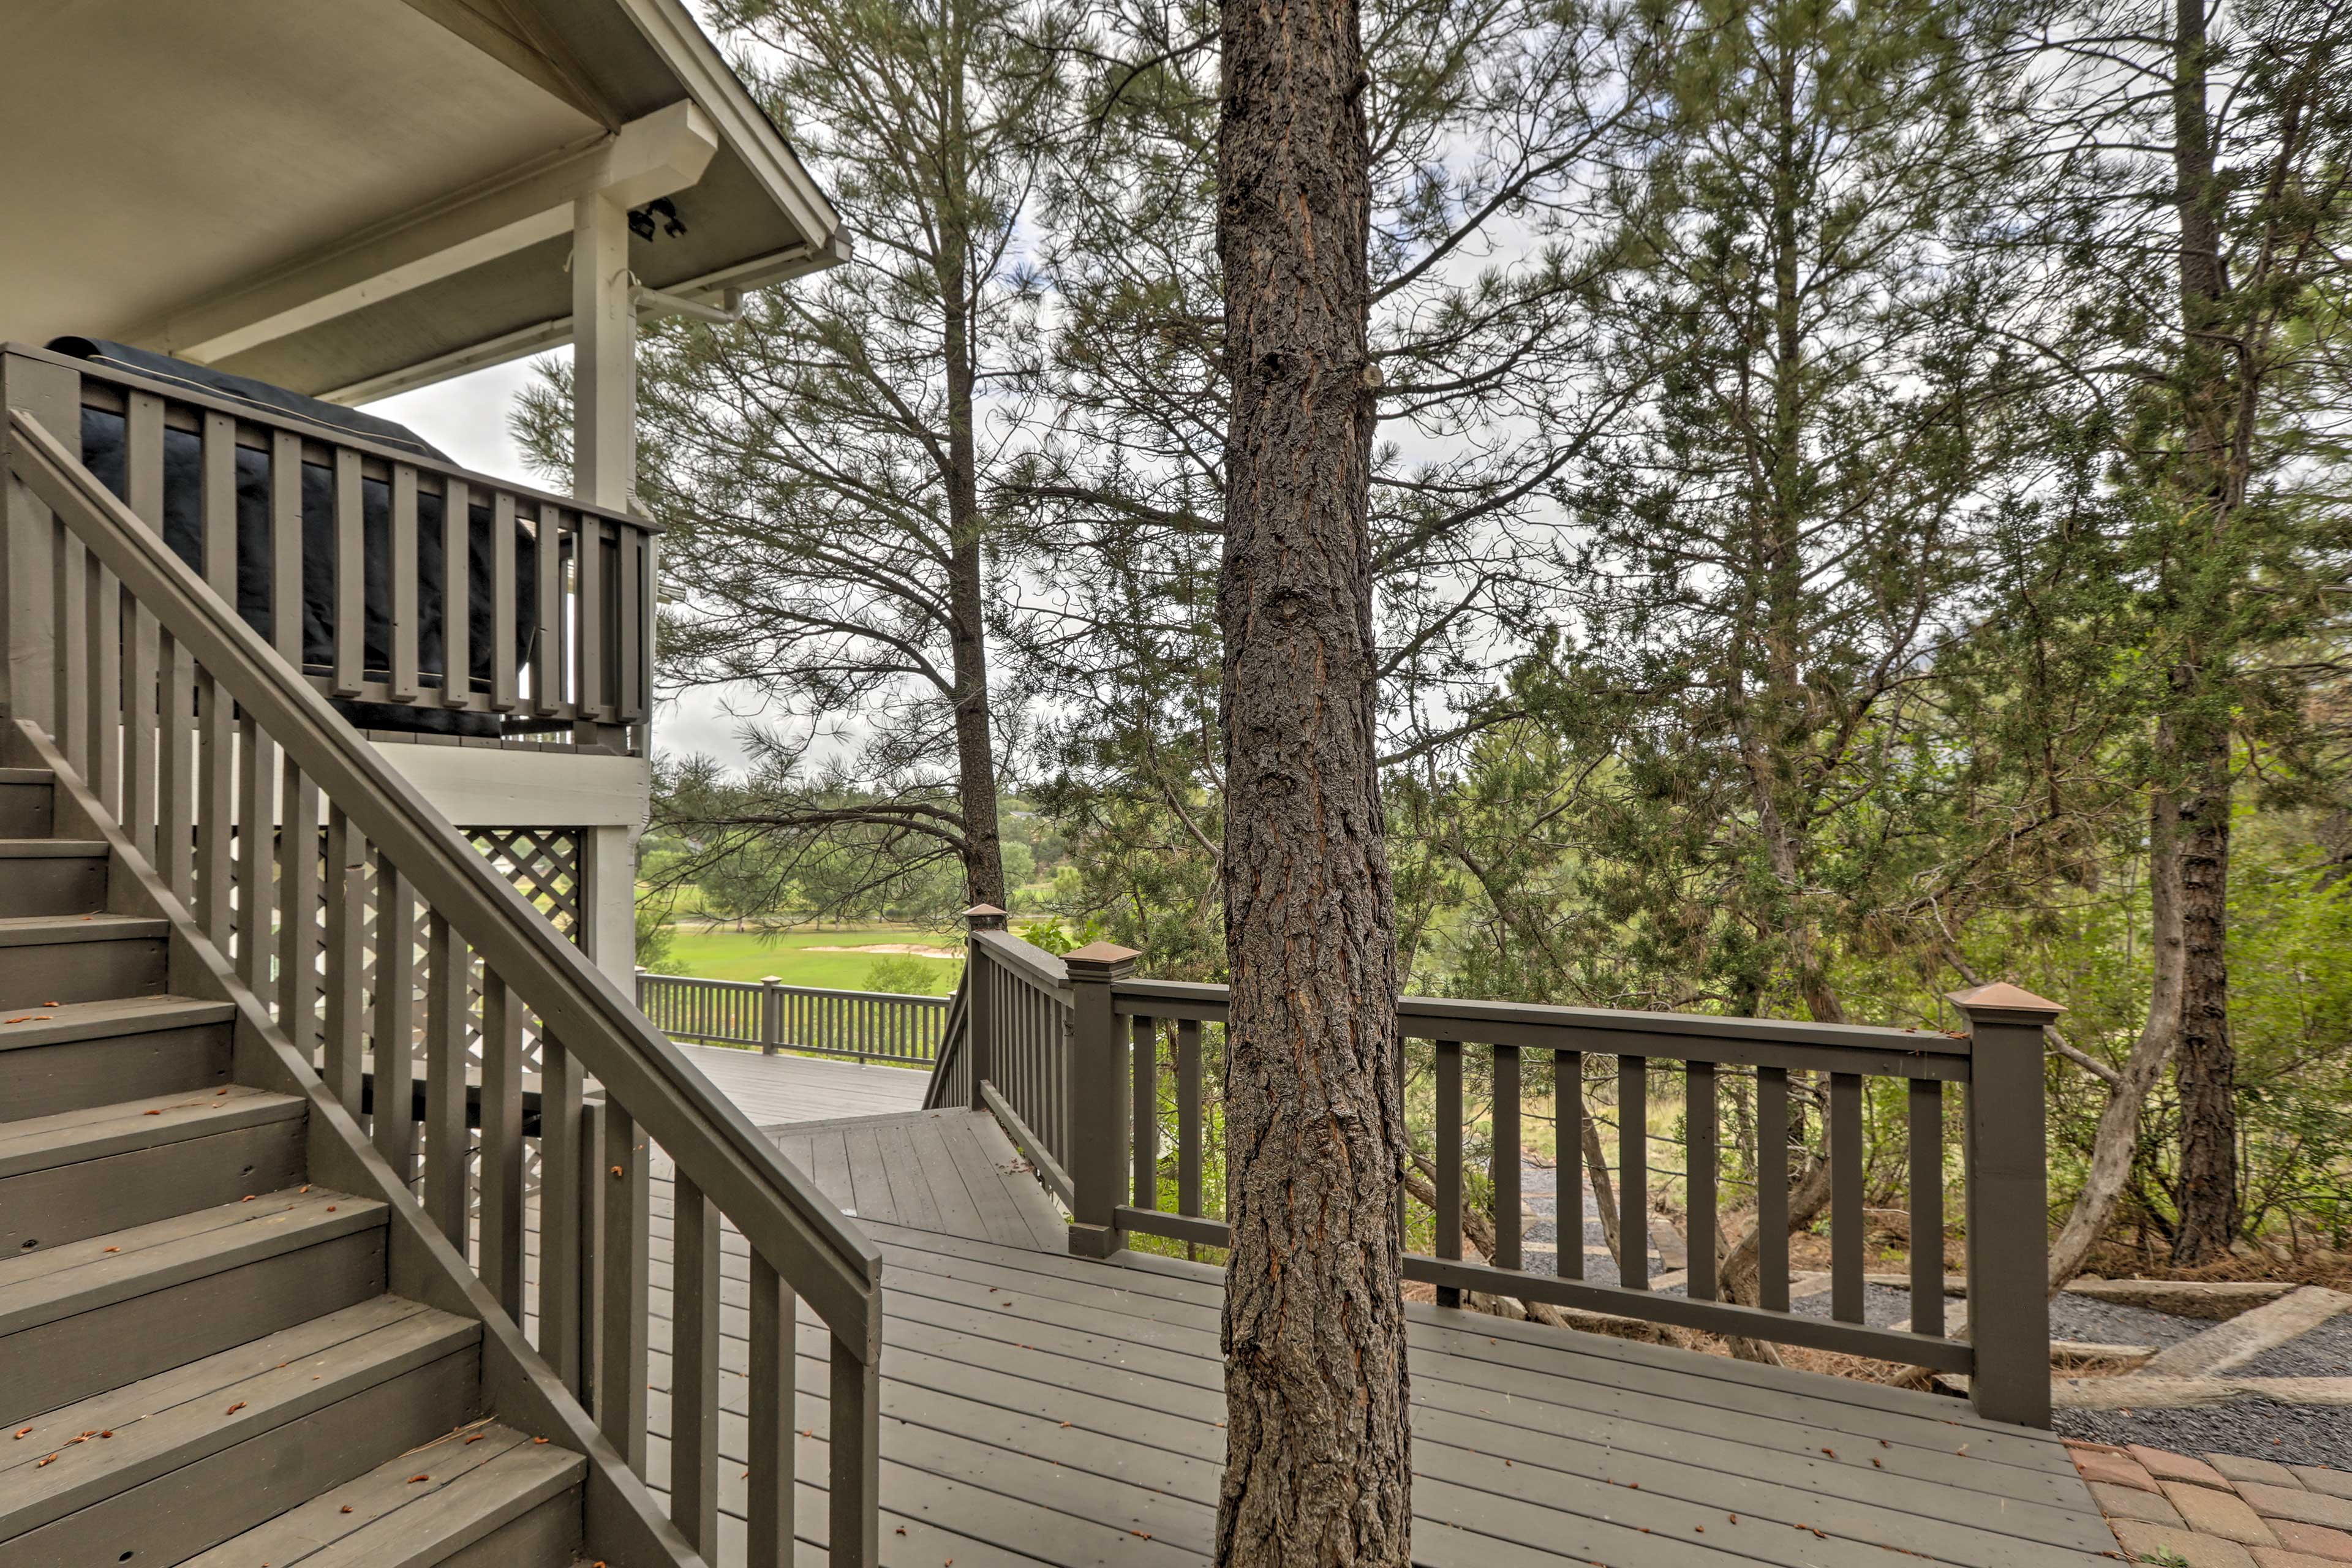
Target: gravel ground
[[2290, 1434], [2075, 1317], [2324, 1351]]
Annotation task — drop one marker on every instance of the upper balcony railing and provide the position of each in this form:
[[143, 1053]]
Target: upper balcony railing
[[338, 551]]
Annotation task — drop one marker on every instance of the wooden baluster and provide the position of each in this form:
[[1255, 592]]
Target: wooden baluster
[[1634, 1172], [503, 694], [217, 486], [562, 1258], [257, 821], [694, 1368], [855, 1433], [456, 594], [143, 494], [141, 725], [102, 620], [590, 611], [628, 702], [1846, 1198], [1188, 1118], [1926, 1105], [1772, 1188], [446, 966], [1700, 1173], [350, 576], [286, 594], [215, 819], [175, 770], [621, 1305], [347, 891], [1505, 1169], [298, 914], [69, 569], [393, 1035], [547, 618], [401, 679], [1568, 1178], [1447, 1241], [501, 1265], [773, 1364], [1143, 1036]]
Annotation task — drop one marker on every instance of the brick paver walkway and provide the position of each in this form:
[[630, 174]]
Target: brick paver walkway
[[2219, 1512]]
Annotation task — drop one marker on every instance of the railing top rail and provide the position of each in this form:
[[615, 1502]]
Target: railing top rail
[[285, 419], [651, 976], [1421, 1014], [1034, 963], [832, 1264]]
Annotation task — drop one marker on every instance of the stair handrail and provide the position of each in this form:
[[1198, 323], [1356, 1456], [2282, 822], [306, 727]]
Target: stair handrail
[[822, 1255]]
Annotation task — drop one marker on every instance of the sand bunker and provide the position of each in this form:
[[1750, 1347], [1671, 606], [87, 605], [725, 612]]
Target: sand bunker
[[916, 948]]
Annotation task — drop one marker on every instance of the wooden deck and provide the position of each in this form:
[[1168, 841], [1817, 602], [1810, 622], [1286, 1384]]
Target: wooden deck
[[1039, 1408], [781, 1089]]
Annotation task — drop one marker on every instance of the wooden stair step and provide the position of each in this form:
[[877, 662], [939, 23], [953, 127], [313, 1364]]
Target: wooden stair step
[[41, 931], [82, 1054], [52, 848], [93, 1314], [139, 1435], [55, 958], [490, 1492], [70, 1137], [27, 801], [109, 1019], [82, 1172]]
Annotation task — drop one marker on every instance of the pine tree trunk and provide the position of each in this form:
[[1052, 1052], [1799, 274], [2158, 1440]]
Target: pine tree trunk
[[2199, 766], [1318, 1459], [983, 854], [2206, 1065]]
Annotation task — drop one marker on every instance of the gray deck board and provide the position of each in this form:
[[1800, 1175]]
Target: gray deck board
[[1038, 1408]]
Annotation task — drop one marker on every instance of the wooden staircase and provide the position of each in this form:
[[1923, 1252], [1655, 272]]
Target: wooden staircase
[[200, 1362]]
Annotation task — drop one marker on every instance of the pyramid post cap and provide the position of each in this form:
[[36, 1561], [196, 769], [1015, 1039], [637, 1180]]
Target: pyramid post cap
[[2001, 1000], [981, 910], [1100, 955]]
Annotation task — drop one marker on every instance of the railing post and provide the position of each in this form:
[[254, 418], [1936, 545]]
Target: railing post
[[772, 1013], [979, 1017], [2007, 1203], [1097, 1097]]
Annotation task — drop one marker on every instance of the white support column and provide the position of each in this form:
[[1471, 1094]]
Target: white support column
[[604, 473], [603, 356], [608, 859]]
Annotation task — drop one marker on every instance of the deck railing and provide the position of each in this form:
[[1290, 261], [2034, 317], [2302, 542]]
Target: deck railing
[[376, 571], [276, 826], [1103, 1079], [866, 1026]]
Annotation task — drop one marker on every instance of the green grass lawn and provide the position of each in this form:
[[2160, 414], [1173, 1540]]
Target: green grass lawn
[[723, 954]]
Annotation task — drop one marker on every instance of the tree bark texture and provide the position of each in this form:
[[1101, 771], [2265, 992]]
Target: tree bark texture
[[984, 853], [2197, 757], [1317, 1467], [2205, 1068]]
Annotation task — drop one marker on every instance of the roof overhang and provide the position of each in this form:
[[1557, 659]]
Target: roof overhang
[[357, 199]]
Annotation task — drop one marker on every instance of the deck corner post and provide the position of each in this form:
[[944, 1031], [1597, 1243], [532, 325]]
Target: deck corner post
[[1098, 1130], [980, 1022], [2006, 1152], [772, 1013]]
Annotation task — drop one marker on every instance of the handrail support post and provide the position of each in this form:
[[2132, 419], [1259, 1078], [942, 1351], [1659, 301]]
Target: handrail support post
[[1098, 1093], [2006, 1152], [980, 1021]]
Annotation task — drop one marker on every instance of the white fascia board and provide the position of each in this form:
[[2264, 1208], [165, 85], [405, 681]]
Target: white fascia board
[[690, 54], [666, 151], [525, 786]]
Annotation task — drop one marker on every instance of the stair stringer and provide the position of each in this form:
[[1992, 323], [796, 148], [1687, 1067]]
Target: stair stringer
[[622, 1522]]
